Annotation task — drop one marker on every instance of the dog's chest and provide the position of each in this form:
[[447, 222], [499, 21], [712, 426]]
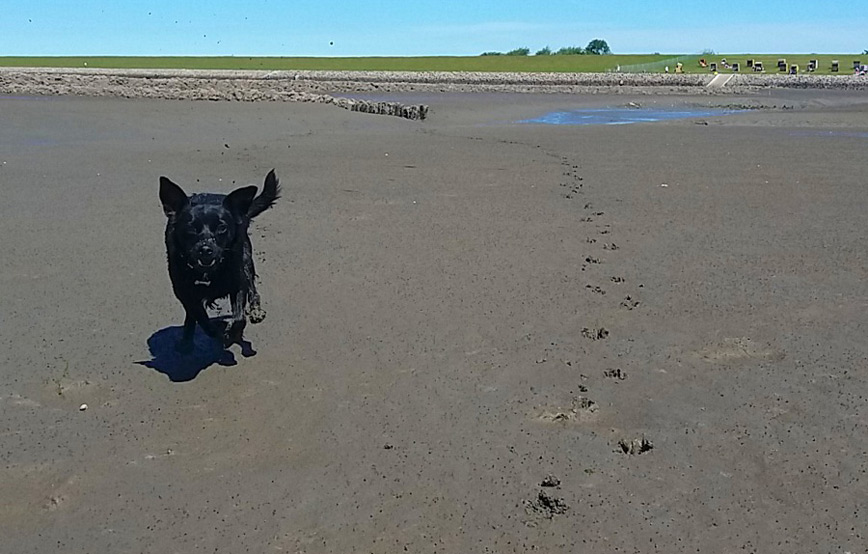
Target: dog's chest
[[198, 285], [212, 290]]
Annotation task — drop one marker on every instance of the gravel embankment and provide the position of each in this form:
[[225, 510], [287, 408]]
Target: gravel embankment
[[318, 86]]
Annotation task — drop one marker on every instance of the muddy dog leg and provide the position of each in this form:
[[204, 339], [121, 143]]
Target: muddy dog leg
[[254, 310], [254, 307]]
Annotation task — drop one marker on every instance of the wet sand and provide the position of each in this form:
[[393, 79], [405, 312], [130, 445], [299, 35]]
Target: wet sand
[[457, 309]]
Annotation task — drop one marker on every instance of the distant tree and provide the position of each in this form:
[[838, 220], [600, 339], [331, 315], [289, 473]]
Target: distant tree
[[708, 52], [544, 52], [519, 52], [598, 46], [492, 54], [570, 50]]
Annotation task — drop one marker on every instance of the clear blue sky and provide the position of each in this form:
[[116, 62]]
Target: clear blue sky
[[393, 28]]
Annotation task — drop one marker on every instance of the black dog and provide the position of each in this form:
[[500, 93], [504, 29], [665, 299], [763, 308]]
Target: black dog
[[210, 255]]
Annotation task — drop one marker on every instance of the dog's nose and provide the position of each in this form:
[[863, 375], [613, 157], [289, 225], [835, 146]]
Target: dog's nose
[[206, 250]]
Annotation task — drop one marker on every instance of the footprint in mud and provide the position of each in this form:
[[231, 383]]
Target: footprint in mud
[[60, 495], [581, 409], [618, 279], [595, 289], [635, 447], [590, 260], [611, 246], [595, 334], [739, 348], [545, 505], [630, 303], [573, 181], [615, 373], [54, 502]]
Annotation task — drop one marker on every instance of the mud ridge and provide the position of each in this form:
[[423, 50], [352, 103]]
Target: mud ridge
[[183, 87]]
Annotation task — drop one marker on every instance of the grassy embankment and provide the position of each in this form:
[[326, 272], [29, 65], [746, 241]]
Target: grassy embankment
[[560, 63]]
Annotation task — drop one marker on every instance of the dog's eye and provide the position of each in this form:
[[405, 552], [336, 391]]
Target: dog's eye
[[222, 228]]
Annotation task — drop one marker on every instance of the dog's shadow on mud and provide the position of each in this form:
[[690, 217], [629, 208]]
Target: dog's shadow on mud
[[185, 367]]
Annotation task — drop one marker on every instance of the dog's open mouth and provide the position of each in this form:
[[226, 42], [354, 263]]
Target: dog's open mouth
[[202, 269], [203, 264]]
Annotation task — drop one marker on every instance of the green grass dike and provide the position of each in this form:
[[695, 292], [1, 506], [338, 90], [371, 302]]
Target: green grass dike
[[647, 63]]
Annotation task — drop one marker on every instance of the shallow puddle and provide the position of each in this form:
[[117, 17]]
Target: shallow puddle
[[621, 116]]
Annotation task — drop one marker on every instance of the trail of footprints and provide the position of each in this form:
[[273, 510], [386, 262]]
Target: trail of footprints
[[574, 185], [600, 246]]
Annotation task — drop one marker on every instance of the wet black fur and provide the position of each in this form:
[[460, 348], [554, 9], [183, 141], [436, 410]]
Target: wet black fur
[[210, 255]]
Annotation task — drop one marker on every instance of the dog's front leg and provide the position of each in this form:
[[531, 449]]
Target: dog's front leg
[[254, 309], [234, 333], [254, 306], [196, 310], [185, 345], [195, 314]]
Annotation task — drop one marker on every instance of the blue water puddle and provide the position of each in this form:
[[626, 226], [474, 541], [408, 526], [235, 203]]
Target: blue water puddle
[[621, 116]]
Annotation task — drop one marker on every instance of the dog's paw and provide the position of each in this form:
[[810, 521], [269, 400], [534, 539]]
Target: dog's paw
[[255, 313]]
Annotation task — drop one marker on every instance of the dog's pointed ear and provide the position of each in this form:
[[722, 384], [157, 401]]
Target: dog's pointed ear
[[271, 181], [172, 196], [238, 201]]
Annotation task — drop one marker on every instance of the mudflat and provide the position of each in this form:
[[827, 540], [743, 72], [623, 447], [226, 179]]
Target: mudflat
[[482, 335]]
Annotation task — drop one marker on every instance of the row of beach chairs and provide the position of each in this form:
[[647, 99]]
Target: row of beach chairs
[[757, 66]]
